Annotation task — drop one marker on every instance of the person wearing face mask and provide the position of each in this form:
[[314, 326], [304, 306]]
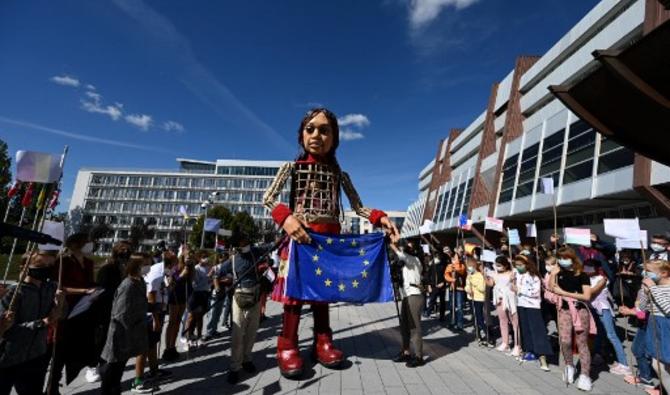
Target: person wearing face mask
[[109, 278], [244, 271], [602, 309], [24, 329], [199, 299], [475, 288], [179, 287], [75, 344], [436, 283], [549, 299], [127, 334], [659, 247], [528, 288], [505, 301], [573, 287], [455, 275]]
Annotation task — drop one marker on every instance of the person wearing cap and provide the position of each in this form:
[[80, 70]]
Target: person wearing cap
[[24, 327], [246, 273]]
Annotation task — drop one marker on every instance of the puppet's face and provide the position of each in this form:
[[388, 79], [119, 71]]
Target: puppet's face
[[317, 136]]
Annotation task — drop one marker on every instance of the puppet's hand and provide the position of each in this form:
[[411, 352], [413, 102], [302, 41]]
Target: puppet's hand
[[294, 228], [390, 229]]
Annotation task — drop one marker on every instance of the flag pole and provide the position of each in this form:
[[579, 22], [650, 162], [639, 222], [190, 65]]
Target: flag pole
[[11, 252], [537, 247], [553, 200]]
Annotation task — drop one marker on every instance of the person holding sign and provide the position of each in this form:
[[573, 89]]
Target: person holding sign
[[660, 244], [505, 301], [455, 275], [572, 286]]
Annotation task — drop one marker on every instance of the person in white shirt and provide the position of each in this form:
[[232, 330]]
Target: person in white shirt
[[411, 292], [199, 299], [527, 286]]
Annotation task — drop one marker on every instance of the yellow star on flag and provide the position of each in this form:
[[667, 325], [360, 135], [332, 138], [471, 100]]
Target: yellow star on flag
[[341, 287], [366, 262], [354, 243], [354, 283], [315, 258], [318, 271], [329, 240], [320, 247], [364, 273], [328, 282], [361, 252]]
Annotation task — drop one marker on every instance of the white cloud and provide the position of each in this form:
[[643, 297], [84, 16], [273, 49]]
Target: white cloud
[[90, 87], [65, 80], [94, 105], [422, 12], [348, 135], [173, 126], [358, 120], [142, 121]]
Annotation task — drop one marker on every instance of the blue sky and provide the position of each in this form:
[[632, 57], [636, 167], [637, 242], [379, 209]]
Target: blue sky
[[138, 84]]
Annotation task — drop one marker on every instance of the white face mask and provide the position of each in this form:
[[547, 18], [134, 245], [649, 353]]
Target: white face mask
[[565, 263], [656, 247], [436, 260], [245, 249], [548, 268], [87, 249], [145, 269], [499, 268]]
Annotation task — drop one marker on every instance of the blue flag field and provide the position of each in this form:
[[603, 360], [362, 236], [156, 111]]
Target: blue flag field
[[340, 268]]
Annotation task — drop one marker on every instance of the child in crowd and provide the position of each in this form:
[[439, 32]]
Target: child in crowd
[[505, 301], [475, 287], [600, 302], [573, 287], [528, 288]]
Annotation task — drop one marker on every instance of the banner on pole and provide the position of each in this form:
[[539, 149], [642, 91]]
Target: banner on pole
[[578, 236], [531, 230], [513, 237], [547, 185], [427, 227], [622, 228], [37, 167], [212, 225], [55, 230], [488, 256], [494, 224], [633, 243]]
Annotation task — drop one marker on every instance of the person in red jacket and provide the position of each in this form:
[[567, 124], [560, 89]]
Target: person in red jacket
[[313, 204]]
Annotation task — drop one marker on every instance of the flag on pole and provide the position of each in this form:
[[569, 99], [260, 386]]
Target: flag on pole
[[41, 198], [28, 196], [547, 185], [14, 189], [212, 224], [578, 236], [513, 237], [622, 228], [464, 223], [220, 245], [531, 230], [427, 227], [493, 224], [54, 199], [37, 167], [183, 212], [341, 268]]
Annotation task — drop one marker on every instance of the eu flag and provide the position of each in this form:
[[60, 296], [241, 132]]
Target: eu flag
[[340, 268]]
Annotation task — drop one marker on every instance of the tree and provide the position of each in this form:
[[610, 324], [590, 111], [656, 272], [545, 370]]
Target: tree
[[5, 175], [138, 233], [243, 223], [100, 231]]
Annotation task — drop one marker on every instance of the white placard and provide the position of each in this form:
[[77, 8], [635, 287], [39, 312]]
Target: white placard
[[55, 230], [513, 237], [578, 236], [622, 228], [426, 248], [531, 230], [547, 185], [633, 243], [494, 224], [225, 232], [489, 256]]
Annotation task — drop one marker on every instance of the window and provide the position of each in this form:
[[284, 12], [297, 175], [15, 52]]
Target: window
[[579, 158], [527, 171], [613, 156], [197, 183], [508, 177], [578, 172], [552, 151], [133, 181], [466, 198]]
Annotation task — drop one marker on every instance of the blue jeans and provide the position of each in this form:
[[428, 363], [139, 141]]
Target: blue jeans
[[640, 352], [216, 310], [459, 297], [607, 323]]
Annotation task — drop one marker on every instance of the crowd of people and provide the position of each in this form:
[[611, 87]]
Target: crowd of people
[[510, 302], [582, 289]]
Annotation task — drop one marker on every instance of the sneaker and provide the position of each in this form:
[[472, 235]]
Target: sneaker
[[569, 374], [92, 375], [140, 387], [620, 370], [415, 362], [233, 377], [249, 367], [502, 347], [584, 383], [515, 352], [543, 363], [646, 383], [401, 357]]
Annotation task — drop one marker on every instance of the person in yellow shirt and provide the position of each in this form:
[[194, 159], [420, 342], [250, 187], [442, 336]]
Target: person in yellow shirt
[[475, 288]]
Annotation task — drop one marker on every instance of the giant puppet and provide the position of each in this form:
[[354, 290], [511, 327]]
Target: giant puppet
[[314, 204]]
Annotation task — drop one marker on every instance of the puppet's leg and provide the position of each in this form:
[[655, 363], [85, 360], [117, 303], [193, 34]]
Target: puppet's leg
[[324, 350], [288, 354]]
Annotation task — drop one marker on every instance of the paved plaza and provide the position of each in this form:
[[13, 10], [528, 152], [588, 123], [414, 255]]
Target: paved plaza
[[370, 337]]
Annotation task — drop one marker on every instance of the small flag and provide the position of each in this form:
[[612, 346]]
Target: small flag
[[494, 224], [464, 223], [531, 230], [41, 198], [622, 228], [37, 167], [270, 275], [212, 224], [220, 245], [513, 237], [340, 268], [427, 227], [578, 236], [28, 196], [547, 185], [54, 199], [183, 212], [14, 189]]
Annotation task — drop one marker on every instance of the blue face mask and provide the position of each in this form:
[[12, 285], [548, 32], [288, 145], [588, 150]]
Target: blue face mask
[[565, 263], [651, 275]]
